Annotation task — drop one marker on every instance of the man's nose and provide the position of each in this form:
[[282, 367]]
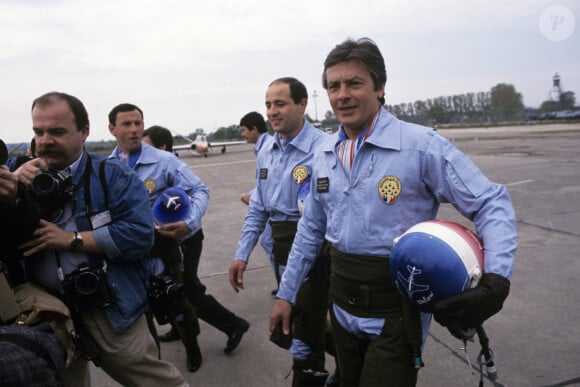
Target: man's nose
[[343, 92], [43, 139]]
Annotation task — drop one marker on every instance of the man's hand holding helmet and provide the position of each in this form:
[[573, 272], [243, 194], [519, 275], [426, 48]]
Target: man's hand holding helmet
[[472, 307]]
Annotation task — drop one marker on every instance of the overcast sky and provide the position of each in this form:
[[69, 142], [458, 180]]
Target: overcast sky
[[193, 64]]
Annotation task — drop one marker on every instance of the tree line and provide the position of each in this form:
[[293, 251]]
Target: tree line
[[503, 103]]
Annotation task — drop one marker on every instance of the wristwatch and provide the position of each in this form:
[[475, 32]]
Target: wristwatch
[[77, 241]]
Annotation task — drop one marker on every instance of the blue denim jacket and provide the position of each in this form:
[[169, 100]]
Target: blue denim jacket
[[125, 240]]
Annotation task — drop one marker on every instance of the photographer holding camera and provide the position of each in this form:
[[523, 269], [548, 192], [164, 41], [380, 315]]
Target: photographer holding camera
[[31, 353], [91, 246], [19, 219]]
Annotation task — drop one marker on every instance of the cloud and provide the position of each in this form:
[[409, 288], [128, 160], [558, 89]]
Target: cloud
[[205, 64]]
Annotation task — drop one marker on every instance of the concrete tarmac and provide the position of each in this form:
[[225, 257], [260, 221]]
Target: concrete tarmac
[[535, 338]]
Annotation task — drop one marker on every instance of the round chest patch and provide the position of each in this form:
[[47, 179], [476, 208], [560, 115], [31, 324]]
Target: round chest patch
[[299, 174], [389, 189], [150, 185]]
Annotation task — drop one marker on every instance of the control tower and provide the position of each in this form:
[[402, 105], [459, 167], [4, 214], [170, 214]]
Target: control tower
[[556, 90]]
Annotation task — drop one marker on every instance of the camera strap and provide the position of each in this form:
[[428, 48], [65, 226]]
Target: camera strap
[[88, 204], [87, 179]]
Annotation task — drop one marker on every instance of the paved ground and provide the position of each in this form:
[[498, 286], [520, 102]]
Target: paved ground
[[536, 338]]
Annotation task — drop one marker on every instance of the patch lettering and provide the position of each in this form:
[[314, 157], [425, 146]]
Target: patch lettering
[[322, 185]]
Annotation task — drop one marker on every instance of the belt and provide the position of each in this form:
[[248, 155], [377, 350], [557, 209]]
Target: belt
[[362, 284]]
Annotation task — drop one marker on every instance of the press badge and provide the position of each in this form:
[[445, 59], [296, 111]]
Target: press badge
[[101, 219]]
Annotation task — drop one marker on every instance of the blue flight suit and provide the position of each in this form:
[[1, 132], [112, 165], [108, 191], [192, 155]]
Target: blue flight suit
[[352, 214], [281, 171]]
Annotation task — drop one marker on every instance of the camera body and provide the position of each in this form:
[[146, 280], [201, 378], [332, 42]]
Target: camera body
[[51, 190], [52, 184], [87, 287], [165, 298]]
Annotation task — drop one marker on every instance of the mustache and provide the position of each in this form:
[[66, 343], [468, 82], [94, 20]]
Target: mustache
[[47, 151]]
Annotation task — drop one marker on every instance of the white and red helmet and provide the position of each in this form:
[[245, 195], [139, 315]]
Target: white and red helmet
[[434, 260]]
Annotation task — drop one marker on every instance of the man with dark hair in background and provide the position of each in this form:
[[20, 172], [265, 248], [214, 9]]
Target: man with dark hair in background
[[158, 137]]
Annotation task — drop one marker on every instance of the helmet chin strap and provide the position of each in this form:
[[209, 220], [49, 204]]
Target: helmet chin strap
[[485, 356]]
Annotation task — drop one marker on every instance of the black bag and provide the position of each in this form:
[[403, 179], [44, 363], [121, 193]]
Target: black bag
[[31, 356]]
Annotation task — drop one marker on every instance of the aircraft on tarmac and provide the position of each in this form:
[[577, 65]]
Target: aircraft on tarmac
[[200, 146]]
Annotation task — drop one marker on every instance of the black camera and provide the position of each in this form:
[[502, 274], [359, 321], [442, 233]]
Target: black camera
[[165, 298], [52, 184], [51, 191], [3, 153], [87, 287]]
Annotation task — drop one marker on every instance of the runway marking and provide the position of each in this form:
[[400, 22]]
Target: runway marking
[[220, 164], [519, 182]]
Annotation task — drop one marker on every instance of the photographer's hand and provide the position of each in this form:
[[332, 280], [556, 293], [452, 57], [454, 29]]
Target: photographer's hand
[[47, 235], [27, 171], [50, 236], [8, 186]]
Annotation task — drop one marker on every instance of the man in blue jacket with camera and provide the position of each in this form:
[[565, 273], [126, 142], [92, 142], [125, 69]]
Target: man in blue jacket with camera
[[93, 240]]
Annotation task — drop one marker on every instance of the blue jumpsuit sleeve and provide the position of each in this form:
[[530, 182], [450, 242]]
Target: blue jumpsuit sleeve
[[309, 237], [254, 225], [453, 177], [198, 192]]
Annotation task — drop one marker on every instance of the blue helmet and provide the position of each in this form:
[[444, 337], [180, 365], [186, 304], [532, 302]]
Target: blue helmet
[[172, 205], [434, 260]]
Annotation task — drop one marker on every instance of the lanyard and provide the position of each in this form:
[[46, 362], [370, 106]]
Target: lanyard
[[348, 148]]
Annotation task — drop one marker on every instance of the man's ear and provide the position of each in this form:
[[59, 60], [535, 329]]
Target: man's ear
[[303, 103], [86, 130]]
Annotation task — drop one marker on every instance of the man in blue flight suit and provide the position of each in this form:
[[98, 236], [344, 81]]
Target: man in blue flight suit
[[283, 168], [371, 181]]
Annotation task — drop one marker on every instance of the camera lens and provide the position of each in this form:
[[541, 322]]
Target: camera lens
[[44, 184], [87, 283]]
